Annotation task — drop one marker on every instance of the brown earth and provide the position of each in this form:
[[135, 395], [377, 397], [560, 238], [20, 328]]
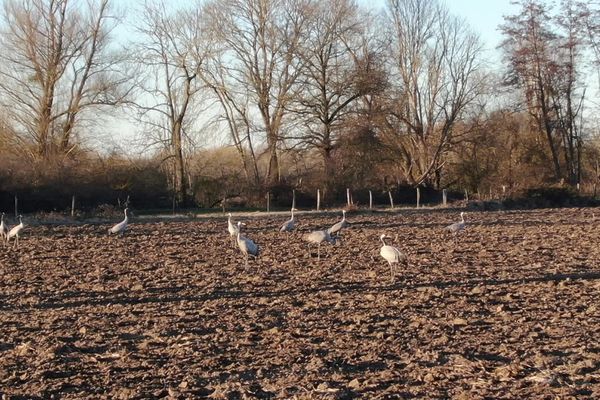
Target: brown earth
[[508, 310]]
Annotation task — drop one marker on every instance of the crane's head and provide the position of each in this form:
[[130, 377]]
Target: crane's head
[[229, 215]]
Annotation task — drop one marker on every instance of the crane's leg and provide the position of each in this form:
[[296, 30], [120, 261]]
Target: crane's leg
[[16, 245], [391, 271], [319, 252]]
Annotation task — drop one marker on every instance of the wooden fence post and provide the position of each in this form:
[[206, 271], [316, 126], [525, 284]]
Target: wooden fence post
[[16, 206], [268, 201], [370, 200], [418, 197], [318, 199], [348, 199], [391, 199], [444, 198], [73, 206]]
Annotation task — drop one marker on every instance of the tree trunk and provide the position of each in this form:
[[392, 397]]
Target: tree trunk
[[273, 170], [179, 186]]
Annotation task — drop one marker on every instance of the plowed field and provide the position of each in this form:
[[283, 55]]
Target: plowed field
[[510, 308]]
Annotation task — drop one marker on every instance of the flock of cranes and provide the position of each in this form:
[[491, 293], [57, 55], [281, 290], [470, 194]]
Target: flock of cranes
[[249, 248], [6, 234], [389, 253]]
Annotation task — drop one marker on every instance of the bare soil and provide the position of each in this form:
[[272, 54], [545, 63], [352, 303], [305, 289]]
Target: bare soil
[[507, 309]]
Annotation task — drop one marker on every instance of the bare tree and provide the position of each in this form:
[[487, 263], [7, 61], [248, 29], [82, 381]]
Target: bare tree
[[437, 67], [56, 64], [170, 53], [234, 112], [545, 54], [528, 52], [338, 67], [590, 18], [568, 99], [261, 37]]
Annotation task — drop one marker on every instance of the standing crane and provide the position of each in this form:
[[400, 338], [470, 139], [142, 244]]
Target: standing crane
[[121, 226], [337, 228], [247, 246], [289, 225], [391, 254], [318, 237], [3, 229], [457, 226], [232, 229], [14, 232]]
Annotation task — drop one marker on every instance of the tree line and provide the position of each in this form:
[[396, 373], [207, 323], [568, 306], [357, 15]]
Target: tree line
[[237, 98]]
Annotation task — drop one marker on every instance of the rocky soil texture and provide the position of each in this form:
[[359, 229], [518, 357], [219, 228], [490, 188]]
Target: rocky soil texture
[[510, 308]]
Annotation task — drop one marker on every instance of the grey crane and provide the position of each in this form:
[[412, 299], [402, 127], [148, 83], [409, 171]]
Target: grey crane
[[318, 237], [121, 227], [14, 232], [391, 254], [457, 226], [337, 228], [289, 225], [232, 229], [3, 229], [247, 246]]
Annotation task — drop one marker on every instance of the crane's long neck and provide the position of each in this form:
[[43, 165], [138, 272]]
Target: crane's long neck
[[239, 231], [382, 240], [462, 218]]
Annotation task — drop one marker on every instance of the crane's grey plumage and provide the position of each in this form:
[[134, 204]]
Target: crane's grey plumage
[[3, 229], [318, 237], [289, 225], [337, 228], [247, 246], [121, 227], [457, 226], [232, 229], [391, 254], [14, 232]]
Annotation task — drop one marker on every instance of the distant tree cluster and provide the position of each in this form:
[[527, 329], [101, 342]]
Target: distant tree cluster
[[239, 98]]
